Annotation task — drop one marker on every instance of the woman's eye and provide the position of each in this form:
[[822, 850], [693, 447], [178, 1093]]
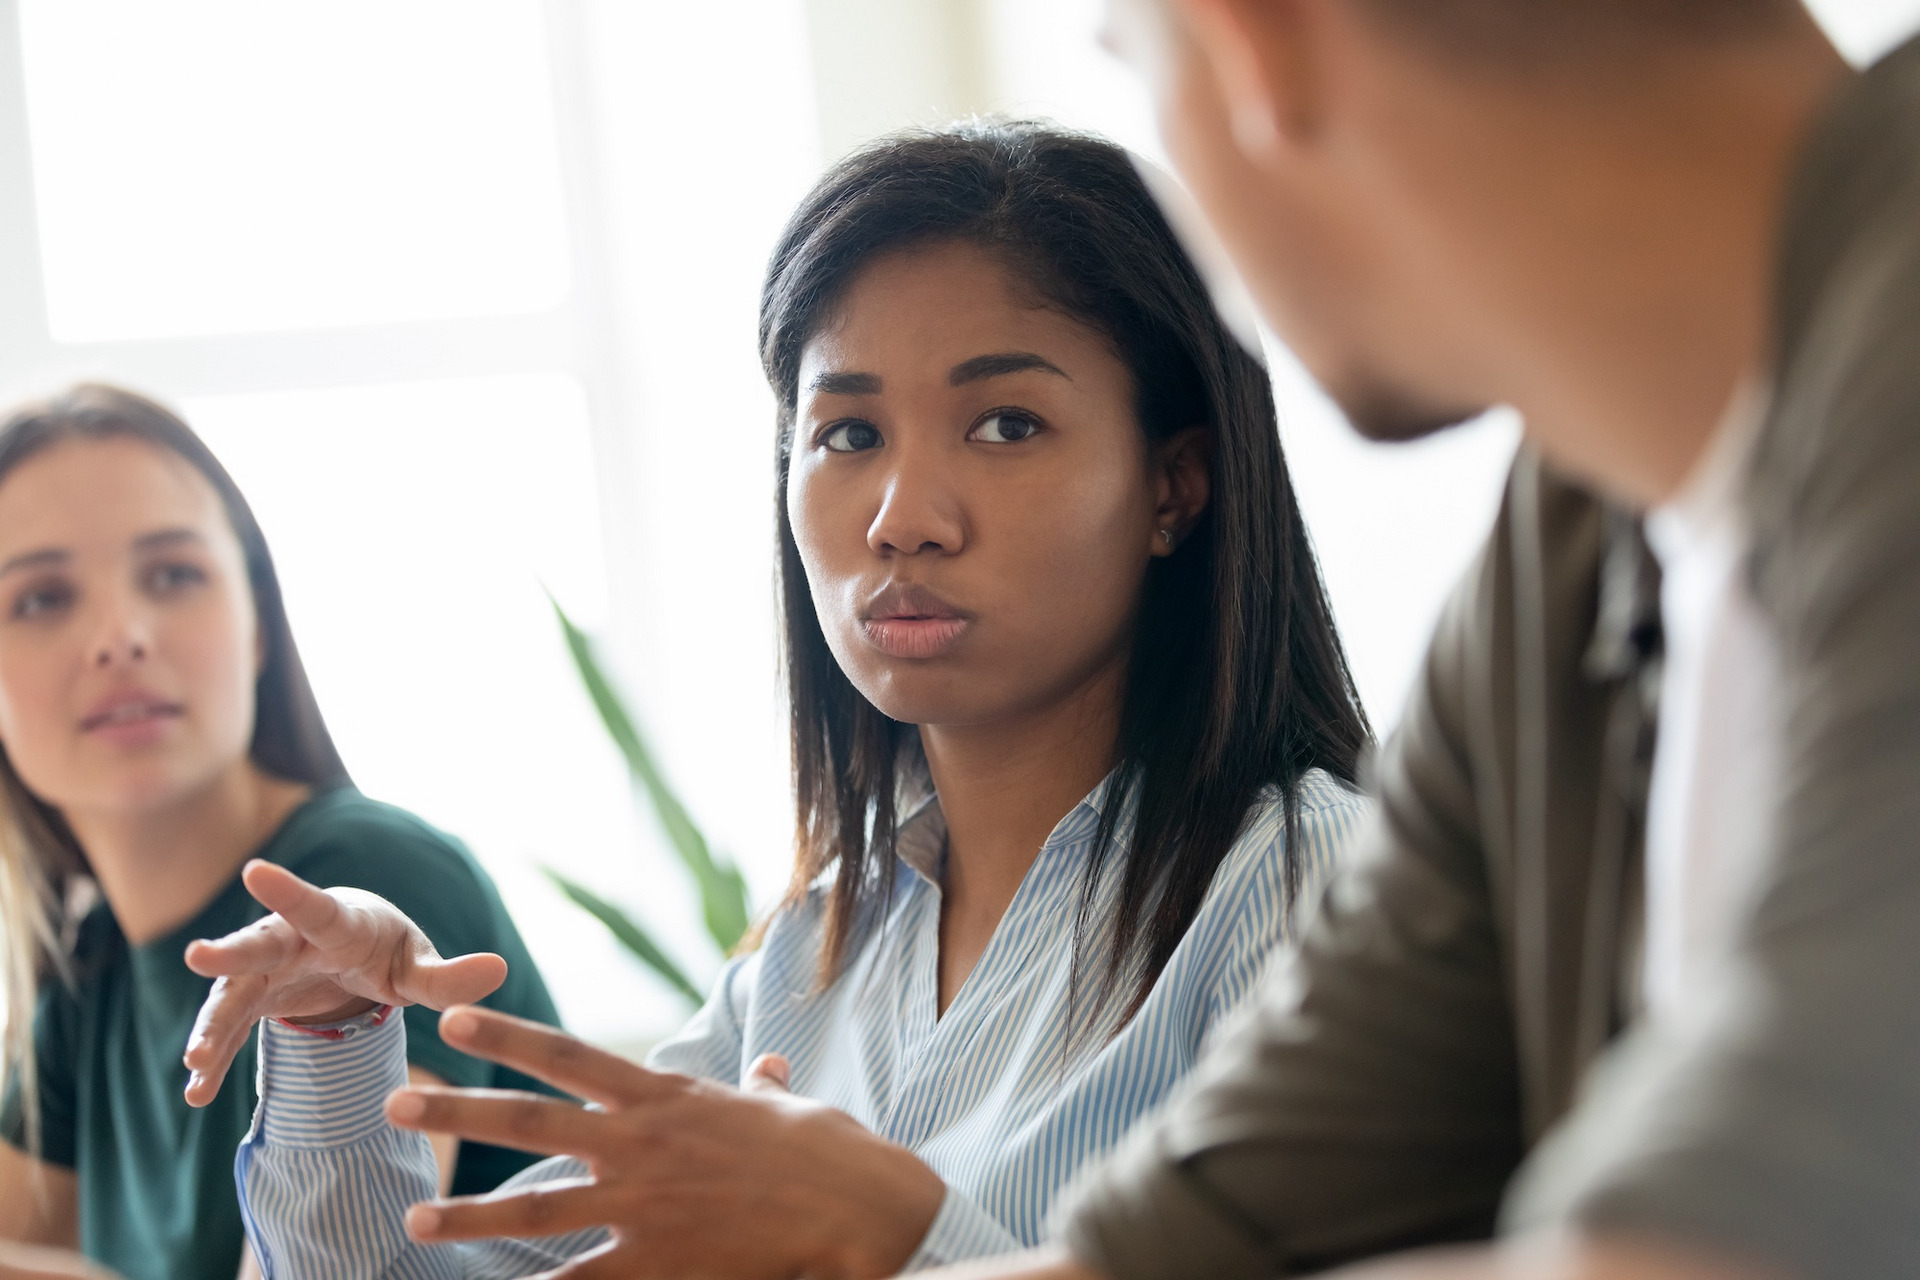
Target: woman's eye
[[163, 579], [851, 437], [41, 599], [1004, 428]]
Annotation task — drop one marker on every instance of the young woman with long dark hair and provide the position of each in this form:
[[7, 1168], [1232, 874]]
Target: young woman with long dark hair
[[1072, 733], [157, 731]]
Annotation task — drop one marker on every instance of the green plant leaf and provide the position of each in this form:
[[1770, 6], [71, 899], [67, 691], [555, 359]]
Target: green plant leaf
[[627, 932], [723, 892], [726, 907]]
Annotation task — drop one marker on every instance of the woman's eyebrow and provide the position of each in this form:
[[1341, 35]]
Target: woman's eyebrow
[[1000, 363], [166, 538], [36, 560], [846, 384]]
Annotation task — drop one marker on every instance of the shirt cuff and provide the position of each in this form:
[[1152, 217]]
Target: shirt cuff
[[341, 1028], [1146, 1216], [961, 1230], [328, 1087]]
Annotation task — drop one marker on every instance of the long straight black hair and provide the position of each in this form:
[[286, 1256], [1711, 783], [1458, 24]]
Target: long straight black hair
[[1237, 682], [39, 856]]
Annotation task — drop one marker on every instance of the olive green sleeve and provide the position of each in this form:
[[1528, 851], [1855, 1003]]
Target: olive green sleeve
[[1780, 1120]]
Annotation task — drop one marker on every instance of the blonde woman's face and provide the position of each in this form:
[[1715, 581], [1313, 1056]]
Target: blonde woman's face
[[128, 641]]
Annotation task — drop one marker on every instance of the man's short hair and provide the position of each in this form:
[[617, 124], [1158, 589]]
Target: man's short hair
[[1559, 30]]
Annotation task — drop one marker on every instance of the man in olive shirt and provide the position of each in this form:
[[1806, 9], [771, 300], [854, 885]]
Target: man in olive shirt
[[1670, 1034]]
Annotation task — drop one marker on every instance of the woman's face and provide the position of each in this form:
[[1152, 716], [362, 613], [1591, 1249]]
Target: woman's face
[[128, 642], [971, 493]]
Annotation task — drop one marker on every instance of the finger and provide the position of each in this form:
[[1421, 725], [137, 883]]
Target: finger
[[504, 1118], [314, 913], [262, 946], [441, 984], [545, 1209], [548, 1054], [769, 1072], [219, 1030]]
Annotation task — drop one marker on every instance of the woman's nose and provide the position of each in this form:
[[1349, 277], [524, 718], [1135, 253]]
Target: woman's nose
[[919, 511], [122, 638]]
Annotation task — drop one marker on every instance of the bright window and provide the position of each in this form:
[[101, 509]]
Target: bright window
[[228, 166]]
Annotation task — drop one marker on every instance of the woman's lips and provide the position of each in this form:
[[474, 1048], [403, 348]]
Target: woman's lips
[[913, 637], [131, 723], [908, 620]]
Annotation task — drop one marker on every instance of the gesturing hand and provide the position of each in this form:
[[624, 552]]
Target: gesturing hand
[[692, 1178], [323, 954]]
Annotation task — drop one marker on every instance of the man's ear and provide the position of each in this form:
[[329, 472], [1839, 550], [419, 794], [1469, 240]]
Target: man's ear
[[1260, 53], [1183, 484]]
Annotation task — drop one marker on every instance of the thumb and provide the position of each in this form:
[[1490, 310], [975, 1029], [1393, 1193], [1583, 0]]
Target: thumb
[[768, 1073], [441, 984]]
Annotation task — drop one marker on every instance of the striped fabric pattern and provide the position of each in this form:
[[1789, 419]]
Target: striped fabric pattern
[[324, 1103], [995, 1095]]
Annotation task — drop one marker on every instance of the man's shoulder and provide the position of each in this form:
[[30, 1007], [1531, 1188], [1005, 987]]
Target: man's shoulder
[[1838, 459], [1853, 203]]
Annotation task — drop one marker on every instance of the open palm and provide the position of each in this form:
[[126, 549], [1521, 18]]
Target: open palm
[[323, 954]]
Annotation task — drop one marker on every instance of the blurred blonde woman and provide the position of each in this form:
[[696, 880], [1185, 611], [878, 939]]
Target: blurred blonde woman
[[157, 731]]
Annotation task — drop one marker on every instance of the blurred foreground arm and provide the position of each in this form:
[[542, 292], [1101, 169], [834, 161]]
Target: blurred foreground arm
[[1533, 1260], [1049, 1262], [1591, 1260]]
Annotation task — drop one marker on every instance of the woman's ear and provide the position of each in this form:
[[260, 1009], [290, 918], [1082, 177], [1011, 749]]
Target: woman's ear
[[1183, 483]]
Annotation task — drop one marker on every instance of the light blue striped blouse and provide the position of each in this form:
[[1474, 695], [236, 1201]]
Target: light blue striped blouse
[[981, 1093]]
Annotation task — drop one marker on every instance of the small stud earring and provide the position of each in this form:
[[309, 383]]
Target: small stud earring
[[1167, 536]]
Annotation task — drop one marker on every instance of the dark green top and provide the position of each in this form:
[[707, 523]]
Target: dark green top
[[156, 1176]]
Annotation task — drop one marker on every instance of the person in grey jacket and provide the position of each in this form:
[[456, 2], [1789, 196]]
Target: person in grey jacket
[[1634, 1005]]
